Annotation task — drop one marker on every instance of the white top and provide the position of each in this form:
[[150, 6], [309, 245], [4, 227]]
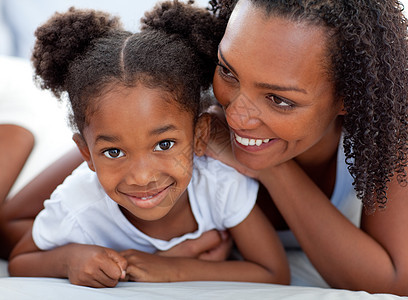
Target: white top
[[344, 198], [23, 104], [80, 211]]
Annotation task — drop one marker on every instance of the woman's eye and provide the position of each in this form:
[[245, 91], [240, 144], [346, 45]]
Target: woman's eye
[[113, 153], [280, 102], [225, 72], [164, 145]]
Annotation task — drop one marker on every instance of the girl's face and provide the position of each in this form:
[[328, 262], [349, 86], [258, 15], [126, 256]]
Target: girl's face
[[140, 143], [273, 83]]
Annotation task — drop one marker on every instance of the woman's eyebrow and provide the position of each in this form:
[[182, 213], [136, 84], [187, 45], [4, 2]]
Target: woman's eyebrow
[[279, 88], [225, 61]]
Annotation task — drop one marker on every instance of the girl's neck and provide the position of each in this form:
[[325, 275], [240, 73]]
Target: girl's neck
[[179, 221]]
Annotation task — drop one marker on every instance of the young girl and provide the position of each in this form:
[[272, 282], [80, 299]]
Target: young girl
[[135, 102]]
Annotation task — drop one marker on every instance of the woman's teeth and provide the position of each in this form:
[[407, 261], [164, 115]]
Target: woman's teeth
[[250, 142]]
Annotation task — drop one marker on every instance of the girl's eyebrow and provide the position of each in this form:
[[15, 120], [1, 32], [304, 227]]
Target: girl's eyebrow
[[106, 138], [157, 131], [163, 129], [264, 85]]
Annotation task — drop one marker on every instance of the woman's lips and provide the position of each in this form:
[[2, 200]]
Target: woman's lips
[[252, 144]]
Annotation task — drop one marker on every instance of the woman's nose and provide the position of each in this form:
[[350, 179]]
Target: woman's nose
[[242, 112]]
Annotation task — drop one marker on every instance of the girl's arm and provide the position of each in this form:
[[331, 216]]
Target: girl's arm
[[265, 259], [86, 265], [373, 258]]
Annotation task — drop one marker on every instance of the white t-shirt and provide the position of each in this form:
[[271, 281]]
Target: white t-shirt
[[80, 211]]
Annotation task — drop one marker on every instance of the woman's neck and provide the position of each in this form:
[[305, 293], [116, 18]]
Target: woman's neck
[[320, 161]]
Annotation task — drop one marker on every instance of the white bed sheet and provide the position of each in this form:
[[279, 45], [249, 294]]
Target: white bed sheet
[[52, 288], [18, 288]]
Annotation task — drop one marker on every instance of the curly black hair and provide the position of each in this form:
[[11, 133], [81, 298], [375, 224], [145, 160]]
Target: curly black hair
[[83, 53], [369, 68]]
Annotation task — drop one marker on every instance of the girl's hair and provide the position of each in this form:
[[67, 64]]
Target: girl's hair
[[84, 53], [367, 51]]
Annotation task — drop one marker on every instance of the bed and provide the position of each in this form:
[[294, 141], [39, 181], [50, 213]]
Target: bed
[[52, 288]]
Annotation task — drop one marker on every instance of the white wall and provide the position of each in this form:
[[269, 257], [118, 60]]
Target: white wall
[[20, 18]]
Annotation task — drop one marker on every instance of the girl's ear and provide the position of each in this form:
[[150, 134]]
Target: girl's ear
[[202, 134], [83, 148]]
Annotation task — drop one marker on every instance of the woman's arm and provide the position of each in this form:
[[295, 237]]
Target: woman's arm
[[255, 238], [372, 258], [87, 265], [17, 214], [18, 143]]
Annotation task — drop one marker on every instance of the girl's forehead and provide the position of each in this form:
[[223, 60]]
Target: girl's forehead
[[138, 100], [135, 112]]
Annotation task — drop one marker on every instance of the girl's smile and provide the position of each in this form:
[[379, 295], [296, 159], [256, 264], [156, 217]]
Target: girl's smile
[[149, 199]]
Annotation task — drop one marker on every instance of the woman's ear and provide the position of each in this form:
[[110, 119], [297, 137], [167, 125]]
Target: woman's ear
[[342, 110], [202, 134], [83, 148]]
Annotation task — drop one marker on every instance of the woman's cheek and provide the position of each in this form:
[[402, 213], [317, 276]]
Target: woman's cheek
[[221, 92]]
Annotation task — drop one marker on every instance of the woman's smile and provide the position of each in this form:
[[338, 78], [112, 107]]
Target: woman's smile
[[252, 144]]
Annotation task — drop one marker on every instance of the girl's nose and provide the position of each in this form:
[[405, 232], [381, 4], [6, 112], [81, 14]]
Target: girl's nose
[[242, 113], [141, 172]]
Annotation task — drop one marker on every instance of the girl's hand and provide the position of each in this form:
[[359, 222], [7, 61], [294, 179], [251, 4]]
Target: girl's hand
[[95, 266], [146, 267], [212, 245]]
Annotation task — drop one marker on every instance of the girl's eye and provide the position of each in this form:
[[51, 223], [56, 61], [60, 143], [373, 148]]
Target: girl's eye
[[113, 153], [164, 145], [280, 102], [225, 72]]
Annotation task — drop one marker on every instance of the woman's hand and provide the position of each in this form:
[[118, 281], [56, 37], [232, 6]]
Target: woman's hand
[[212, 245], [219, 145], [95, 266]]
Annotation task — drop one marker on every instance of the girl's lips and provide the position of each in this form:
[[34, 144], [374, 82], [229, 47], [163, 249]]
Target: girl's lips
[[149, 199], [252, 144]]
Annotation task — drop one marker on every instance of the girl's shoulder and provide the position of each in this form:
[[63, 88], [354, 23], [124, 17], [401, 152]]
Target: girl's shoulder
[[79, 190]]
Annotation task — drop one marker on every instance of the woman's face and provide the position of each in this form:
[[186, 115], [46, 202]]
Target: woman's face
[[274, 85]]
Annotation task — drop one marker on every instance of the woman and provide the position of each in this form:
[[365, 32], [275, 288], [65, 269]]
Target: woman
[[297, 79]]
